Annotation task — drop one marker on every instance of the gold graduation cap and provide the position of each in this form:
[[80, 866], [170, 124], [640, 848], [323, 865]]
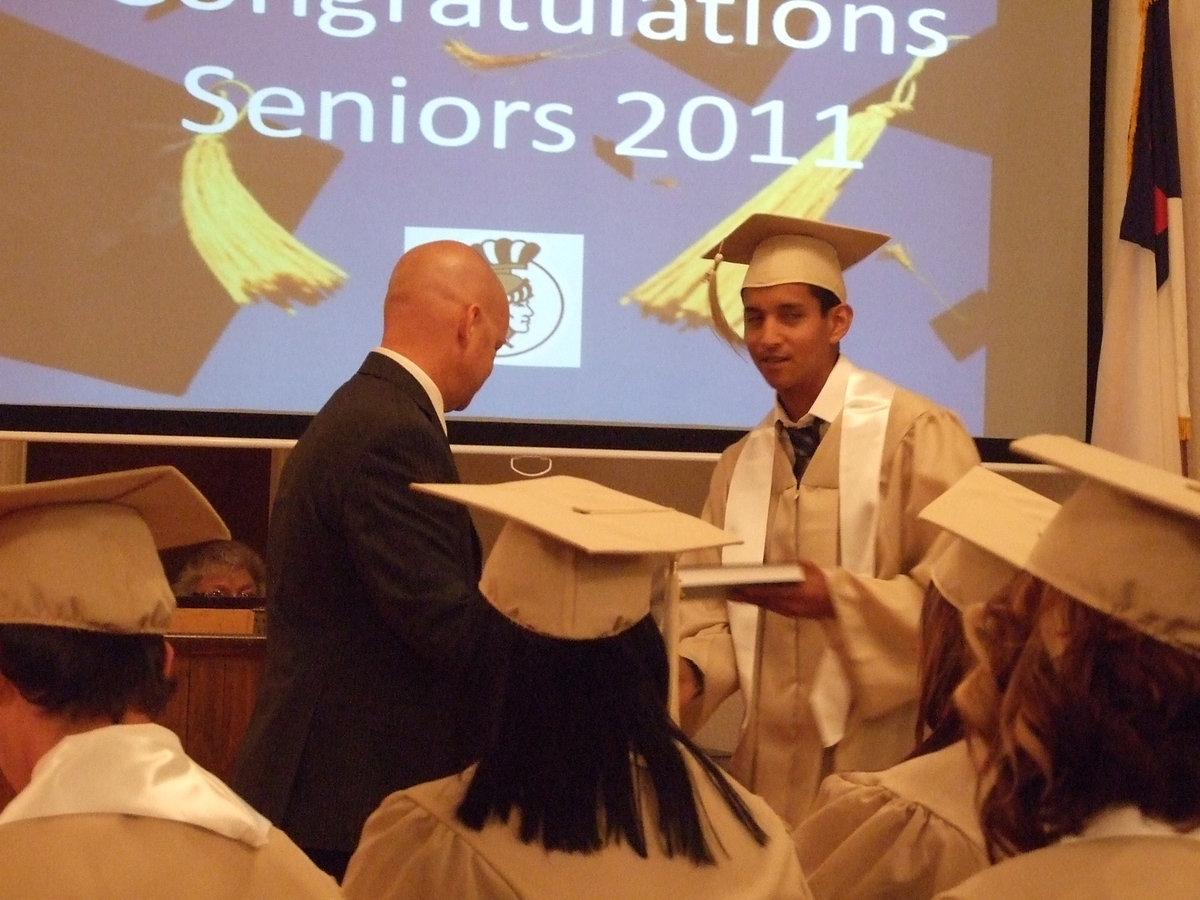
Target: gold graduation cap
[[581, 561], [995, 523], [1126, 543], [83, 552]]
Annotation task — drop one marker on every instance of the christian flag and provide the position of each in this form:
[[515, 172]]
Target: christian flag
[[1142, 408]]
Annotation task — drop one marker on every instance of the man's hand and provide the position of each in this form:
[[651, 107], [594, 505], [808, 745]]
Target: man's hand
[[808, 599]]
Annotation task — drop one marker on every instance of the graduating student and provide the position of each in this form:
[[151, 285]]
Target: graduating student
[[586, 788], [907, 832], [833, 477], [108, 804], [1085, 709]]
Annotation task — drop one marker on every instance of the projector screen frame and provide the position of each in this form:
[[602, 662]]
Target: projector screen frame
[[103, 424]]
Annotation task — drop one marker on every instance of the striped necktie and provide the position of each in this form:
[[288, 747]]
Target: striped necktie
[[804, 440]]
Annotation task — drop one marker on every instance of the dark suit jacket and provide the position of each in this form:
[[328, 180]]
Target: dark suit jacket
[[374, 617]]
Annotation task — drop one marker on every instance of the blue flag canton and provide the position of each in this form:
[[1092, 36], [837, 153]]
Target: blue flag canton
[[1154, 164]]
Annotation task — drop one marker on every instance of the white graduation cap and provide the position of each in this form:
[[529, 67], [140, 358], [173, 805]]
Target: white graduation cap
[[83, 552], [995, 523], [784, 250], [1126, 542], [579, 560]]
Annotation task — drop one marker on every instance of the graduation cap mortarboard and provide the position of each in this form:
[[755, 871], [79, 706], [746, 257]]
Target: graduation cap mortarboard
[[104, 279], [1126, 542], [786, 250], [83, 552], [576, 559], [995, 523]]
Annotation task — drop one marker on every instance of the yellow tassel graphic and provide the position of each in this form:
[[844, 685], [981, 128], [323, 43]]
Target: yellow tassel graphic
[[470, 58], [473, 59], [251, 254], [692, 291]]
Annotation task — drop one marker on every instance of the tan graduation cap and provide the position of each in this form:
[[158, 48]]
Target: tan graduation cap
[[581, 561], [1126, 543], [784, 250], [83, 552], [995, 524]]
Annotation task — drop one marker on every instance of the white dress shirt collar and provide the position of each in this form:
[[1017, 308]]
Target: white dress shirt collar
[[829, 402], [435, 396]]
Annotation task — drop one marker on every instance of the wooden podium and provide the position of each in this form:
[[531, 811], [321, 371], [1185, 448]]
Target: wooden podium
[[216, 682]]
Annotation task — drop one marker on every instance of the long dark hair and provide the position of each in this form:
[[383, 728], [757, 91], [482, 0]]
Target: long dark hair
[[86, 674], [578, 721]]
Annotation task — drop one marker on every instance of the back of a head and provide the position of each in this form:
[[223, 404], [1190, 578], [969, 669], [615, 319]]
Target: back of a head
[[990, 525], [611, 690], [583, 732], [82, 676], [447, 311], [1076, 714], [84, 600], [573, 714], [585, 685], [943, 660], [1088, 695], [423, 290]]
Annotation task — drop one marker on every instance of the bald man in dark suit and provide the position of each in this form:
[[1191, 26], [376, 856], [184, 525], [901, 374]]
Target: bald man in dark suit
[[374, 613]]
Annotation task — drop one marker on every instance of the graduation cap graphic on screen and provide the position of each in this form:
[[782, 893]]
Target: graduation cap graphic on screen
[[984, 320], [103, 277], [741, 70]]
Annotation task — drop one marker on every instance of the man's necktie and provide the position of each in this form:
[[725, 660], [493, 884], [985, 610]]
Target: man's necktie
[[804, 440]]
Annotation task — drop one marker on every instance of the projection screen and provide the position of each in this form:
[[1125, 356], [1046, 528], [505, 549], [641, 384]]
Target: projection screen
[[203, 200]]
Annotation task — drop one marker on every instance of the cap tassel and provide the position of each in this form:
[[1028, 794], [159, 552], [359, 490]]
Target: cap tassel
[[720, 324], [469, 58], [251, 254]]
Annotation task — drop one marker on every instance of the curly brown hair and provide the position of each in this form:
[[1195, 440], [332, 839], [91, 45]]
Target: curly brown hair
[[944, 658], [1072, 712]]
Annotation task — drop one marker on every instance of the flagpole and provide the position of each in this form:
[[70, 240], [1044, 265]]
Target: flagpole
[[1178, 290], [1142, 407], [1185, 439]]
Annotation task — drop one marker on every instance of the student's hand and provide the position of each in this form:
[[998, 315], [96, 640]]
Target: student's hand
[[807, 599], [691, 682], [691, 687]]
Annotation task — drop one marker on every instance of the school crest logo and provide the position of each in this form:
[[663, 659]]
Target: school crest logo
[[535, 298], [542, 272]]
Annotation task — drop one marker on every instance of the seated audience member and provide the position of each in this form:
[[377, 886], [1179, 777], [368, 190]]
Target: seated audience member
[[1084, 711], [108, 805], [912, 830], [222, 569], [587, 788]]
